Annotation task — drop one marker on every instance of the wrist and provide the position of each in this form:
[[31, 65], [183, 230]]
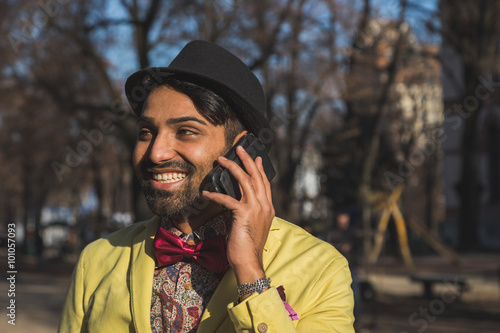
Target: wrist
[[248, 273], [257, 286]]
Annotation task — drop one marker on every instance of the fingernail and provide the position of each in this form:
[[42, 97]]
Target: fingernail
[[223, 158]]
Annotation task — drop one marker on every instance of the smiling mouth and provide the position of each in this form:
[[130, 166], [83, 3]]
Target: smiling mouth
[[169, 177]]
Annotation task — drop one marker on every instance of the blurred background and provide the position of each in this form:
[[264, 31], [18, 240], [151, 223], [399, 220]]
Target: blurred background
[[386, 119]]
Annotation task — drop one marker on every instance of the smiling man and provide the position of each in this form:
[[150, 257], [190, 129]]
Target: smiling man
[[176, 148], [206, 262]]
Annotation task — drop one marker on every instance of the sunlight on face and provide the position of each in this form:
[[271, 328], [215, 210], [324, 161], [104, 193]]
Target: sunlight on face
[[176, 148]]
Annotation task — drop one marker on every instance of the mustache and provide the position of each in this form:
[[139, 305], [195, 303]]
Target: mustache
[[180, 165]]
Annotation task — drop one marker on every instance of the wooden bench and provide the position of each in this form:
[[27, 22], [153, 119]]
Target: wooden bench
[[430, 279]]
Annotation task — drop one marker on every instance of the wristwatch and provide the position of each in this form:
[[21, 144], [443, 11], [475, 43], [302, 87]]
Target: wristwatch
[[258, 286]]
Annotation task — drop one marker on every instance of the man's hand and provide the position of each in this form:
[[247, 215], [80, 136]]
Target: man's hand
[[252, 216]]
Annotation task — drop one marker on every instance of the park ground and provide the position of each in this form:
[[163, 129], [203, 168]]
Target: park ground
[[398, 307]]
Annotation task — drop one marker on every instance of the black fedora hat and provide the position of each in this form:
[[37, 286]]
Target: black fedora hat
[[213, 67]]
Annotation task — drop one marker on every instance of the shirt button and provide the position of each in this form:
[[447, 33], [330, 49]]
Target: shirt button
[[262, 328]]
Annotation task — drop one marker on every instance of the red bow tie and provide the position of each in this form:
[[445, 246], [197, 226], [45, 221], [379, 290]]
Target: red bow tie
[[210, 253]]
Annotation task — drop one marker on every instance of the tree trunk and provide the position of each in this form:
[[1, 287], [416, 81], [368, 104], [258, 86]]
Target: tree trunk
[[469, 188]]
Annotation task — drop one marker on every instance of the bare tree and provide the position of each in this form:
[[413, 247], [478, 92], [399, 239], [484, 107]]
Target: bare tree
[[292, 46], [368, 95]]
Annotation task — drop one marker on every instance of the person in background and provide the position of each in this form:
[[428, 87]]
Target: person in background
[[343, 237]]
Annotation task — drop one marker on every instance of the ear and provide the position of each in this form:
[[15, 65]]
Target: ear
[[239, 136]]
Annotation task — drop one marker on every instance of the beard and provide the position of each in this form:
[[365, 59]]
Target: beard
[[184, 201], [170, 204]]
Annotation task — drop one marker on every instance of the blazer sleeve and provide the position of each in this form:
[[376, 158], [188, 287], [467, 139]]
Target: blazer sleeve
[[329, 307], [261, 313], [72, 317]]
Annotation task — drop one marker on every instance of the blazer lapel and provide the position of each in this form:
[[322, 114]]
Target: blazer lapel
[[216, 310], [272, 245], [142, 265]]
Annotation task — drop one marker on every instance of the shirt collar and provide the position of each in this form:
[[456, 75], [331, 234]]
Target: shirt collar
[[214, 227]]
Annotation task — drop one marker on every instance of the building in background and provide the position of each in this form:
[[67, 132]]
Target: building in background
[[488, 129], [409, 152]]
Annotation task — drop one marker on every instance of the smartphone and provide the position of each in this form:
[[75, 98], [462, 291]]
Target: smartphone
[[222, 181]]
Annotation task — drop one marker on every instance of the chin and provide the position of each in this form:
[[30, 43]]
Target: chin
[[168, 204]]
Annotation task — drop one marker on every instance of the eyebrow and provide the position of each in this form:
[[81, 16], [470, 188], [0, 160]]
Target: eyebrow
[[145, 119], [172, 121]]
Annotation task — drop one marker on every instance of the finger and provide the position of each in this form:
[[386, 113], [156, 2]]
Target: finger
[[224, 200], [252, 170], [248, 162], [267, 184]]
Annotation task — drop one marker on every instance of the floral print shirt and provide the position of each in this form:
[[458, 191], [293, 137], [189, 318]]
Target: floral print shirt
[[182, 291]]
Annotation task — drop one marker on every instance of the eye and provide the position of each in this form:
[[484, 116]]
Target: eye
[[144, 134], [186, 131]]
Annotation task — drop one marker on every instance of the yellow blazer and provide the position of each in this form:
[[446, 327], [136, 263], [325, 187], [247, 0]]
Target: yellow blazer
[[111, 287]]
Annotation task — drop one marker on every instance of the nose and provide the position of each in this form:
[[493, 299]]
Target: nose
[[162, 149]]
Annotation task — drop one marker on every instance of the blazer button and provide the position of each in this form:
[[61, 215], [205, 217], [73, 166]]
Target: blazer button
[[262, 328]]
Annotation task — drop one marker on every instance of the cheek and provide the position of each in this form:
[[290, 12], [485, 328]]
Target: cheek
[[138, 154], [205, 157], [201, 158]]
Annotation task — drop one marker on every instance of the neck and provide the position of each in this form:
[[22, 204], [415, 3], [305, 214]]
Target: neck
[[187, 223]]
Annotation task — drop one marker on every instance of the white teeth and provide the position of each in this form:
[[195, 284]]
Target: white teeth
[[168, 177]]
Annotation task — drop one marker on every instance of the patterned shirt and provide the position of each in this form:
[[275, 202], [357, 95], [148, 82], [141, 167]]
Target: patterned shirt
[[182, 291]]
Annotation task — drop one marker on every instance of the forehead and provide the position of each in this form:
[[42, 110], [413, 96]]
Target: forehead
[[164, 101]]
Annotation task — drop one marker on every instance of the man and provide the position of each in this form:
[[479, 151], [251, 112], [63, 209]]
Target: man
[[343, 237], [206, 262]]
